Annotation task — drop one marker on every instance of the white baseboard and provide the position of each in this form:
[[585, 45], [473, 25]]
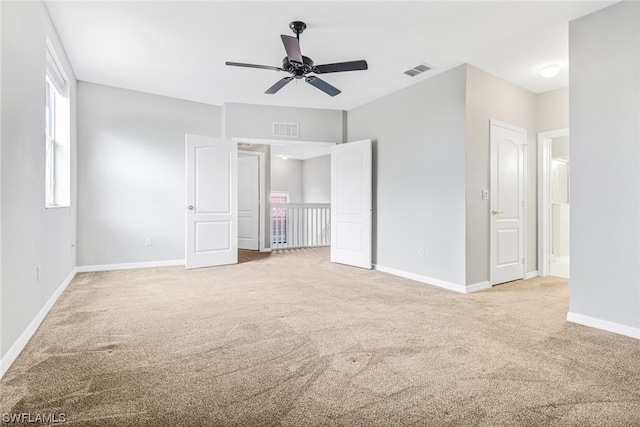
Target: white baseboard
[[129, 266], [605, 325], [21, 342], [480, 286], [435, 282], [531, 275]]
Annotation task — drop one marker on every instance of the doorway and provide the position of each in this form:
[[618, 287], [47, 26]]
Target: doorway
[[301, 170], [212, 200], [251, 200], [554, 203]]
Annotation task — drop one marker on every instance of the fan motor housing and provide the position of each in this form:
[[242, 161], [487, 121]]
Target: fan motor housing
[[297, 27], [298, 70]]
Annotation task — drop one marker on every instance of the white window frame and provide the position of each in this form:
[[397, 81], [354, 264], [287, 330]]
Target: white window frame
[[50, 147], [57, 133]]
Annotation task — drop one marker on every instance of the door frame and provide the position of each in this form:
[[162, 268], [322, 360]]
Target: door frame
[[265, 205], [261, 195], [266, 141], [544, 197], [525, 178]]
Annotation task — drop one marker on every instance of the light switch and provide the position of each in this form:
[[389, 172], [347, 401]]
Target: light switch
[[485, 194]]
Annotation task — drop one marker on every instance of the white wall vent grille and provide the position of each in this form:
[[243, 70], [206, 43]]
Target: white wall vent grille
[[289, 130], [418, 69]]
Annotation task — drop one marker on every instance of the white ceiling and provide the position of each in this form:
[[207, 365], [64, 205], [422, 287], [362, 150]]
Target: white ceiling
[[179, 48]]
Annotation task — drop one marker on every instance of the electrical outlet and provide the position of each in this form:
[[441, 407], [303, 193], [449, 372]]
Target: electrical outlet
[[421, 251], [148, 241]]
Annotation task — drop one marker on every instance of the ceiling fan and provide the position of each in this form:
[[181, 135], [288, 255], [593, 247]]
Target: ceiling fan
[[300, 66]]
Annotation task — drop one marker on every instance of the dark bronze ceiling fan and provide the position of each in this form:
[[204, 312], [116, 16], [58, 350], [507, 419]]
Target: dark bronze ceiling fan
[[300, 66]]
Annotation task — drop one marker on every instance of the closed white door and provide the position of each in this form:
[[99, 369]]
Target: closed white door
[[508, 144], [248, 202], [351, 203], [211, 202]]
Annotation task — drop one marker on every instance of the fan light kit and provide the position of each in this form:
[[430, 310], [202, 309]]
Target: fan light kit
[[300, 66]]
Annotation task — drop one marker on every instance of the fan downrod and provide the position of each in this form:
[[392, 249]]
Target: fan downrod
[[297, 27]]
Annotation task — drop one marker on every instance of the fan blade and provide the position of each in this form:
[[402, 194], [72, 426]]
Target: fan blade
[[341, 66], [292, 46], [279, 85], [323, 86], [264, 67]]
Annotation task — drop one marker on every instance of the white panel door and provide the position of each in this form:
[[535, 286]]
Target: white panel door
[[248, 202], [351, 203], [212, 203], [508, 144]]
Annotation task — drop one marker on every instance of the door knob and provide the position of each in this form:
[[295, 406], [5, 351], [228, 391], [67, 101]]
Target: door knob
[[190, 207], [495, 212]]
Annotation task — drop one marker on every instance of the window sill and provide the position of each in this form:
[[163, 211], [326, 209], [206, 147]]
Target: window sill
[[56, 206]]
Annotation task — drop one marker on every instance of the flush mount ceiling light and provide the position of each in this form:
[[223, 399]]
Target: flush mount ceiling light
[[550, 71]]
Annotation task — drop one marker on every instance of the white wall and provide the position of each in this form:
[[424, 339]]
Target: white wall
[[552, 110], [132, 173], [286, 176], [604, 52], [255, 121], [419, 176], [316, 180], [489, 97], [306, 181], [31, 234]]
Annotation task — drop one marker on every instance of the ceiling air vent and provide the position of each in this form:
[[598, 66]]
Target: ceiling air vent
[[418, 69], [289, 130]]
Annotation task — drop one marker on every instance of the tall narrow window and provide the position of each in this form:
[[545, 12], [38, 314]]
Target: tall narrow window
[[50, 146], [57, 134]]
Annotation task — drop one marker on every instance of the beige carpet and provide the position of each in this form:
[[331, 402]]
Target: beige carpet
[[291, 339]]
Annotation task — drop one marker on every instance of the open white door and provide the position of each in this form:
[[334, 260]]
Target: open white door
[[212, 202], [508, 145], [248, 202], [351, 203]]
